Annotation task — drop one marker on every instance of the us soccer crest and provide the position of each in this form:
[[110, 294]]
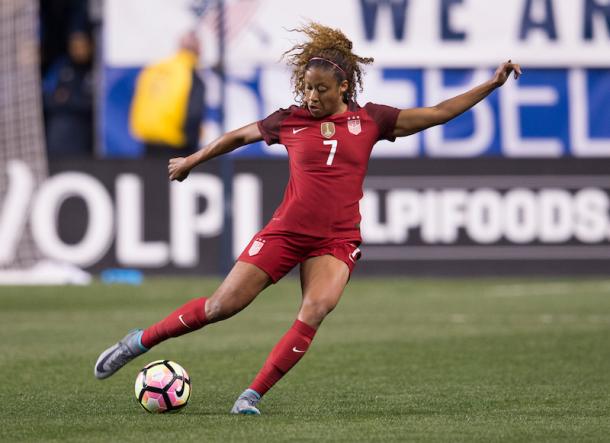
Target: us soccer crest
[[327, 129], [256, 247], [353, 125]]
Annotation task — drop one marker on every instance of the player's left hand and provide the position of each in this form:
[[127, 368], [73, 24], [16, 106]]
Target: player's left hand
[[504, 70]]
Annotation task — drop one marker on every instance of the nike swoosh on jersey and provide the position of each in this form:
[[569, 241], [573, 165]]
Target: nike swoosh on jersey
[[296, 131], [294, 349]]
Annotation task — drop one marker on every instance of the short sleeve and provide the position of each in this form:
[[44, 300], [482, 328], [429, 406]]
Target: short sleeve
[[385, 117], [270, 126]]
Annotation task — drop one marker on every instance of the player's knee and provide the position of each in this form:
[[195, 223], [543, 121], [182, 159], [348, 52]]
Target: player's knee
[[316, 310]]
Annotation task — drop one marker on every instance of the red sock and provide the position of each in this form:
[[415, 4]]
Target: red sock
[[187, 318], [286, 353]]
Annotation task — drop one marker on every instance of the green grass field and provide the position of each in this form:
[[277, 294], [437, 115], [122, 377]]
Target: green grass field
[[399, 360]]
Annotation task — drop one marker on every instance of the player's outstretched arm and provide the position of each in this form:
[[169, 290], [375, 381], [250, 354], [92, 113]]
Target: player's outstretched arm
[[179, 168], [414, 120]]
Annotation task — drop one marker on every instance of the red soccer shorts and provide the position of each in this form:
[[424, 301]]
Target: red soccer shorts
[[278, 253]]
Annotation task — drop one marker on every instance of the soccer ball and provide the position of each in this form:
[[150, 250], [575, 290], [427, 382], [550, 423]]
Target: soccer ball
[[163, 386]]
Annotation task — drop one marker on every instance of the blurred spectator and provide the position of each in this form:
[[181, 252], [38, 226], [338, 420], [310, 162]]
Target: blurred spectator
[[168, 104], [58, 20], [66, 67]]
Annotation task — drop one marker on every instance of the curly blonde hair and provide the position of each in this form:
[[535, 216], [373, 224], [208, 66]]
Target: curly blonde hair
[[325, 44]]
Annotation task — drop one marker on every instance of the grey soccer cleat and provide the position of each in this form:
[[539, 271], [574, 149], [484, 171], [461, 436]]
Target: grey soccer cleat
[[119, 354], [246, 403]]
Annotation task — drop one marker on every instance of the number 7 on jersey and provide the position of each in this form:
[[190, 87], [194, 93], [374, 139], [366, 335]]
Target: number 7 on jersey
[[333, 149]]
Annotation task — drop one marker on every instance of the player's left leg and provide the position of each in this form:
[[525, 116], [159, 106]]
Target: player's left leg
[[323, 280]]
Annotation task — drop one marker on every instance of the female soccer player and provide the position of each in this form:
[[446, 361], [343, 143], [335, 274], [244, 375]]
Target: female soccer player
[[329, 138]]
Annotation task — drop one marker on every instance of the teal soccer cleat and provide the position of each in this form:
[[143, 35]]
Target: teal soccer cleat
[[119, 354], [246, 403]]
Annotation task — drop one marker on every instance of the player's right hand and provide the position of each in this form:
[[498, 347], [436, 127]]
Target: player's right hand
[[178, 169]]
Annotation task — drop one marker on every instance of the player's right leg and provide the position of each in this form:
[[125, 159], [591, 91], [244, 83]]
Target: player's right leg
[[239, 288]]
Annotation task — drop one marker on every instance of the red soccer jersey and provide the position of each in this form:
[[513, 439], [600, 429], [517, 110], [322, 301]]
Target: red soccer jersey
[[328, 161]]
